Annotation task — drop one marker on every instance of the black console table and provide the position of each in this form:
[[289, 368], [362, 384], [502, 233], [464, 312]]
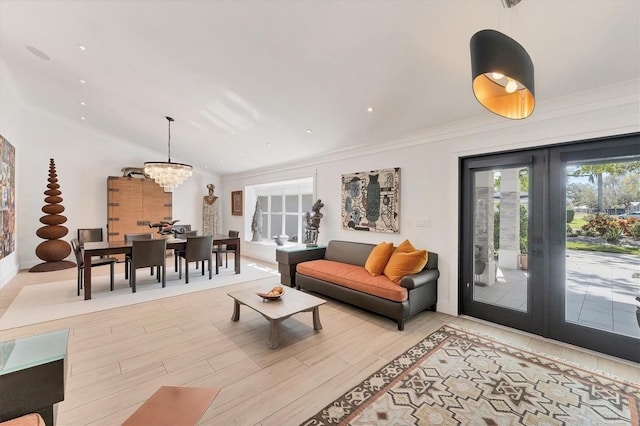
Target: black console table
[[288, 257], [32, 375]]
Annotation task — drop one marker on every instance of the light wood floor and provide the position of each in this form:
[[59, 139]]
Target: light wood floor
[[118, 358]]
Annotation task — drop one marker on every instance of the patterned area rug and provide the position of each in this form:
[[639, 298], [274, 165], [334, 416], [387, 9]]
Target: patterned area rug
[[456, 377]]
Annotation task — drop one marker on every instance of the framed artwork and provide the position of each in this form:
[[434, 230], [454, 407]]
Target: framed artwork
[[236, 203], [371, 201], [7, 198]]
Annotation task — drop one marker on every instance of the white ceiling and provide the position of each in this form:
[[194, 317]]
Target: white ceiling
[[245, 79]]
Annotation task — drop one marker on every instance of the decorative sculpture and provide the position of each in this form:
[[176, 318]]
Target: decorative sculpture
[[256, 223], [131, 171], [168, 228], [312, 224], [54, 250], [210, 212]]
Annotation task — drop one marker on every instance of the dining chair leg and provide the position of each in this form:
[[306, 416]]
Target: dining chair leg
[[180, 270], [209, 265], [80, 272], [132, 280], [217, 263], [164, 275], [186, 271], [111, 266], [126, 268]]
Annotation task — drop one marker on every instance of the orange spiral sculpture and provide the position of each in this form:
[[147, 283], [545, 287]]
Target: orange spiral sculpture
[[53, 250]]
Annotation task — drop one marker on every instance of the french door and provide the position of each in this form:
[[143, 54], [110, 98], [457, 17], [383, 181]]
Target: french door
[[523, 265]]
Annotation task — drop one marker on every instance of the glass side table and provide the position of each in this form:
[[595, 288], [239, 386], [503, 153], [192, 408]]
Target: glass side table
[[32, 375]]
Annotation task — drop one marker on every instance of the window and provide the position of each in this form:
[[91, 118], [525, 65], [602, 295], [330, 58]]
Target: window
[[283, 206]]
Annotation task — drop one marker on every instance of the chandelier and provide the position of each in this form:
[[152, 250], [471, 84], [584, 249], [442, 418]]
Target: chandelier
[[167, 174]]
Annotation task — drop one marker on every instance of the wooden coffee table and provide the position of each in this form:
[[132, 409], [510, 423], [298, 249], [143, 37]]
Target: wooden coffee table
[[276, 311]]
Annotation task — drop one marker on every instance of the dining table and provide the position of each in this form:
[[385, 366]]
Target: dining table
[[106, 248]]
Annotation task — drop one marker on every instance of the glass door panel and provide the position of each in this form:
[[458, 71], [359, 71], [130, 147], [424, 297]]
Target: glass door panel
[[500, 237], [602, 260]]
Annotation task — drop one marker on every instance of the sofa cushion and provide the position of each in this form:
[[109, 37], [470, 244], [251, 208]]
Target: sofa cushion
[[378, 258], [405, 263], [353, 277]]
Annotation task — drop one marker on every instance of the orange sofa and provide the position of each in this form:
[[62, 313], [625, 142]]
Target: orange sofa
[[339, 273]]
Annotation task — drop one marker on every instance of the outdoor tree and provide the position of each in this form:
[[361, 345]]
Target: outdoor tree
[[595, 173], [620, 191], [582, 194]]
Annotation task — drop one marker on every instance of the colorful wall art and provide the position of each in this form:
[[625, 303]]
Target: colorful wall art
[[7, 198], [371, 201]]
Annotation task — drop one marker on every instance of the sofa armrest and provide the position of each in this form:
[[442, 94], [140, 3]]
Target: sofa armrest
[[424, 277]]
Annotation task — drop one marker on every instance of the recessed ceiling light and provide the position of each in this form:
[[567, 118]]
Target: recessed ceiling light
[[39, 53], [81, 47], [370, 109], [82, 81], [309, 131], [82, 103], [221, 160], [82, 118], [269, 144]]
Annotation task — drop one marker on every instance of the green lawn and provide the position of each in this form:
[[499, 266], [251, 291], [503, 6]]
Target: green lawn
[[607, 248], [578, 221]]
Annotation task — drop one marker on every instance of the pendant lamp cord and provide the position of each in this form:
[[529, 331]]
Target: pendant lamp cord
[[169, 143]]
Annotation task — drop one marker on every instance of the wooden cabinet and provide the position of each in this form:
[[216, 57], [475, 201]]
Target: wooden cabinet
[[133, 204]]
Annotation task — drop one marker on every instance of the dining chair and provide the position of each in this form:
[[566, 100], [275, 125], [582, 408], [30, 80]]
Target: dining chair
[[176, 252], [197, 249], [226, 249], [98, 261], [148, 253], [127, 258], [89, 235]]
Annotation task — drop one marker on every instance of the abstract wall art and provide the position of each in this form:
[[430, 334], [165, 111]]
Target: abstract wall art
[[7, 198], [371, 201]]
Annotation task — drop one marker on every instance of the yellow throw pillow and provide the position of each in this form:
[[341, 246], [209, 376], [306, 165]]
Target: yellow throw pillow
[[405, 247], [407, 263], [378, 258]]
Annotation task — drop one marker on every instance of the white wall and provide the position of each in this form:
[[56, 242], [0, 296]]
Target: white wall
[[429, 171], [11, 105], [83, 162]]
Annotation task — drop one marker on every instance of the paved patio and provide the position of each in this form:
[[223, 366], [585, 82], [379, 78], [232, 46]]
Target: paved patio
[[600, 289]]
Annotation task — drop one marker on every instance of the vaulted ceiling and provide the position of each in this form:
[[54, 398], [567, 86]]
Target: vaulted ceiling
[[254, 83]]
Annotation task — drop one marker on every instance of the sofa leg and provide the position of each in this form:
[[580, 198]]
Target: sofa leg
[[400, 325]]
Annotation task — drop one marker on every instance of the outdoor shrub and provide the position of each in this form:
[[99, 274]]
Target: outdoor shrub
[[600, 224], [590, 233], [613, 235], [570, 215], [635, 230]]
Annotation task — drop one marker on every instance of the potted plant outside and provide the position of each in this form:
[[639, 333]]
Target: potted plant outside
[[524, 255]]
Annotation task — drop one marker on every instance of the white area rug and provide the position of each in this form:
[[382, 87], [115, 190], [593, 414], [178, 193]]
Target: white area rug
[[55, 300]]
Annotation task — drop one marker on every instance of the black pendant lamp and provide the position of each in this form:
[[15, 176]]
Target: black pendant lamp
[[502, 73]]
